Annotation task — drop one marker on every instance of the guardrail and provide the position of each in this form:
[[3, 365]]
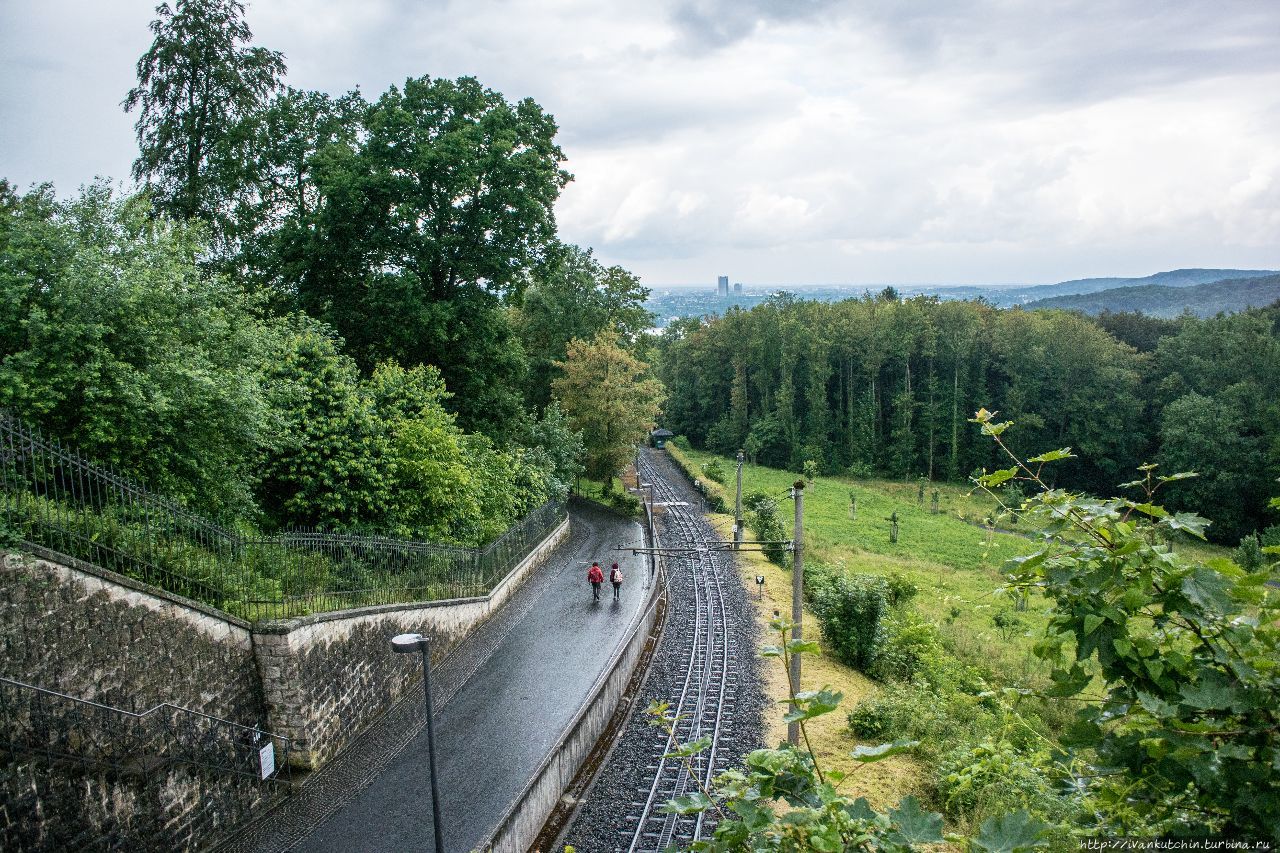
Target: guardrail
[[54, 498]]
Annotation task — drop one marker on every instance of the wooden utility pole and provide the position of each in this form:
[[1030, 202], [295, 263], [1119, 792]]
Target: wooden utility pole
[[797, 601]]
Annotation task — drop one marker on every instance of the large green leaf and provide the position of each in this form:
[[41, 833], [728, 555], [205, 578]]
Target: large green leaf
[[1011, 833]]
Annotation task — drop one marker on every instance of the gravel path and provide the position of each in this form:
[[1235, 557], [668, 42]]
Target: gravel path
[[607, 818]]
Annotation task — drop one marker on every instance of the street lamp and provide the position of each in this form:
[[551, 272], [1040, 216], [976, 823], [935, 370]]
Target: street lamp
[[408, 644]]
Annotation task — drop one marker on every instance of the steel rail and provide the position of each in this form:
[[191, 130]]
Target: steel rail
[[707, 676]]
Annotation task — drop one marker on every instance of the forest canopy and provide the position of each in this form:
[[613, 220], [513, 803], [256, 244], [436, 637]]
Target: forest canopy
[[882, 386]]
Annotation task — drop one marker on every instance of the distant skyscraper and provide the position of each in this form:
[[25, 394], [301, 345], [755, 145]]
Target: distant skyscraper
[[722, 285], [737, 287]]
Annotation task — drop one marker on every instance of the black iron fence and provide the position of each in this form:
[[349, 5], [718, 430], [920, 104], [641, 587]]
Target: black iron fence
[[54, 498], [162, 760]]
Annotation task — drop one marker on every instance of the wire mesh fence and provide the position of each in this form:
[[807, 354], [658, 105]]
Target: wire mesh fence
[[53, 497]]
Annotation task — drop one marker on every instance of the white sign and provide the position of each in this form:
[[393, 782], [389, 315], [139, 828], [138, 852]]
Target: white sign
[[267, 759]]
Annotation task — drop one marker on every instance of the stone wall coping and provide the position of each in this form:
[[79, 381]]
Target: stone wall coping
[[131, 583]]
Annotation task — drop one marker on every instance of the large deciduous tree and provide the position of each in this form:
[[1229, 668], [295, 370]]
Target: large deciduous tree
[[197, 83], [604, 395], [419, 232]]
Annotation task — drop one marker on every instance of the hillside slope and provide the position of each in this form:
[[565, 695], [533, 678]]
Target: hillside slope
[[1203, 300], [1170, 278]]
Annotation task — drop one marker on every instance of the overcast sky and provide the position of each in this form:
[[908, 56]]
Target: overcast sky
[[799, 142]]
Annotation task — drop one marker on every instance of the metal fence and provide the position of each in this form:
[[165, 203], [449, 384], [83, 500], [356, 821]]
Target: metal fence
[[54, 498], [238, 766]]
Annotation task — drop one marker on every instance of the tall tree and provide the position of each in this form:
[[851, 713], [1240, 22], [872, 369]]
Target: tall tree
[[604, 395], [430, 223], [575, 297], [197, 83]]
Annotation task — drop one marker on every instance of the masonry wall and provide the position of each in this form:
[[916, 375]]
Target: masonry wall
[[105, 638], [328, 675], [92, 634]]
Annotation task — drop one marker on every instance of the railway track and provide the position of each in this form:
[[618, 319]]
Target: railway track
[[706, 702]]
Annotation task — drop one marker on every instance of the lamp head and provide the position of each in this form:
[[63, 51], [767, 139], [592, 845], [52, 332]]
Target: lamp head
[[408, 643]]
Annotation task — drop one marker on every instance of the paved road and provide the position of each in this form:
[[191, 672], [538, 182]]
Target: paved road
[[498, 727]]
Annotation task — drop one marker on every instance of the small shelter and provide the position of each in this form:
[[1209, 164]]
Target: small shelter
[[658, 438]]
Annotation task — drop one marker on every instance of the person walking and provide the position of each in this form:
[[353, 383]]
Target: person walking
[[615, 578], [596, 576]]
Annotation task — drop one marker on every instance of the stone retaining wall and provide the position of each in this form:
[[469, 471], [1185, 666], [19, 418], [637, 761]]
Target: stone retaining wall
[[327, 676], [93, 634]]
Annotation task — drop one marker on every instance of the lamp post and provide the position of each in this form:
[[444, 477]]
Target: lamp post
[[408, 644]]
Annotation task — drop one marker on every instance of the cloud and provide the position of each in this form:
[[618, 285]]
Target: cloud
[[823, 140]]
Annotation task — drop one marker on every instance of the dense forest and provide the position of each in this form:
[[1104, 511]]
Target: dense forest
[[884, 386], [314, 310]]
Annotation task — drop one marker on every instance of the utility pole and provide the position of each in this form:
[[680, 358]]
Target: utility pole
[[737, 509], [797, 601]]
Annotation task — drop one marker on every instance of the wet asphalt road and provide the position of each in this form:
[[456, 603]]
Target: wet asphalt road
[[497, 729]]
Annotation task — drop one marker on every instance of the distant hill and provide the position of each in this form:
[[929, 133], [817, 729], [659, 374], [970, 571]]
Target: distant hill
[[1172, 278], [1203, 300]]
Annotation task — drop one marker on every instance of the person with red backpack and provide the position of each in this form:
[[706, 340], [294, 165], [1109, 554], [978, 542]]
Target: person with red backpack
[[615, 578], [596, 576]]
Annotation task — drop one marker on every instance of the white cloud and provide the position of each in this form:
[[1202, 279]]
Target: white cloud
[[809, 141]]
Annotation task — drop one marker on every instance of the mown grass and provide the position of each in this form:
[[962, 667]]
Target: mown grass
[[956, 564]]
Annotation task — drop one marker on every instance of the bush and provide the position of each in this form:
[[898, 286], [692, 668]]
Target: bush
[[714, 471], [995, 778], [1249, 555], [766, 525], [754, 499], [941, 722], [625, 503], [850, 609], [901, 590]]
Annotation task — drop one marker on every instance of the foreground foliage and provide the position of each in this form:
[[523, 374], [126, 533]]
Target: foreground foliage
[[1185, 736], [744, 802]]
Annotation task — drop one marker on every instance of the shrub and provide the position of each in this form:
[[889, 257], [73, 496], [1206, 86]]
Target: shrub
[[753, 500], [1249, 554], [766, 525], [942, 722], [714, 471], [850, 609], [995, 778], [901, 590], [625, 503]]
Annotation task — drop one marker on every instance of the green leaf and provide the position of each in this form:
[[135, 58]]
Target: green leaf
[[1011, 833], [1181, 475], [870, 754], [1153, 510], [913, 825], [995, 478], [689, 804], [813, 703], [1053, 455], [687, 750], [1187, 522], [1209, 590], [803, 646], [1091, 623], [772, 652]]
